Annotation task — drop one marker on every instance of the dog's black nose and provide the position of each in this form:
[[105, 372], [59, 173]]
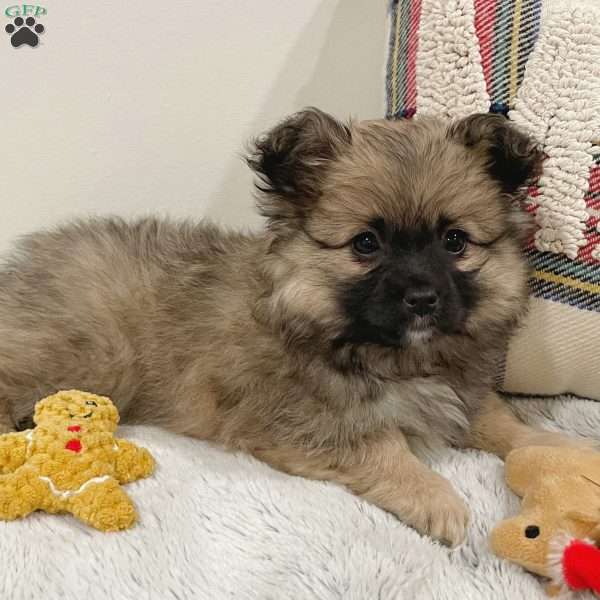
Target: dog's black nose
[[421, 301]]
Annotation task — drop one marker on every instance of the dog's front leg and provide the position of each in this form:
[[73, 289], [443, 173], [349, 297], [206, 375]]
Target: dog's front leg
[[495, 428], [384, 471]]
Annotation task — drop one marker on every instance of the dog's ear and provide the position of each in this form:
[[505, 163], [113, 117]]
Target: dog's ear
[[292, 159], [512, 158]]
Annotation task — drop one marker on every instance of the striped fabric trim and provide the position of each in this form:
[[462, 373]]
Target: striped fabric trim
[[573, 291], [566, 291], [548, 262], [401, 81], [507, 32]]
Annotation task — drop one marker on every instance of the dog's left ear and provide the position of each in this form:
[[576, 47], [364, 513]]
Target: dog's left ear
[[292, 160], [513, 158]]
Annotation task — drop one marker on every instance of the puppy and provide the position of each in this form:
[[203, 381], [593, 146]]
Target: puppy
[[373, 309]]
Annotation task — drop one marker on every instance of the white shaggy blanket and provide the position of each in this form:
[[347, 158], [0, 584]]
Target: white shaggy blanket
[[216, 525]]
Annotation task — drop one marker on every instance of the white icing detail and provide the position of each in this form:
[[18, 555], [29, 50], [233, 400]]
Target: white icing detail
[[450, 81], [64, 494], [559, 105], [29, 438]]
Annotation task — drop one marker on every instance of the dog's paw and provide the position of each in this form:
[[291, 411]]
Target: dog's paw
[[433, 508]]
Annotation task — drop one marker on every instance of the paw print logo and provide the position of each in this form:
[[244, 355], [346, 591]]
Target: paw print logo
[[24, 32]]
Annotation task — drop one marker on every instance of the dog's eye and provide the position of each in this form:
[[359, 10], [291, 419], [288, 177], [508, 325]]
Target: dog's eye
[[91, 403], [455, 241], [532, 531], [365, 243]]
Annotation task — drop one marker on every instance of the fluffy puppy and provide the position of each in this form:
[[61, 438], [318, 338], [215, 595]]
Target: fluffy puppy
[[373, 308]]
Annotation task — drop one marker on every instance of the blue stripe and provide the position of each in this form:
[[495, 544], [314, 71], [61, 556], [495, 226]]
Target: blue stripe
[[560, 265], [556, 292]]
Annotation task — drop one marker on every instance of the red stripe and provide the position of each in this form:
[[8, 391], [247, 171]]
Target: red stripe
[[594, 180], [485, 14], [592, 236], [411, 59], [592, 239]]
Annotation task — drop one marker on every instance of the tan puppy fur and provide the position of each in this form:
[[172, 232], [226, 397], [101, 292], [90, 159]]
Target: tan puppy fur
[[373, 309]]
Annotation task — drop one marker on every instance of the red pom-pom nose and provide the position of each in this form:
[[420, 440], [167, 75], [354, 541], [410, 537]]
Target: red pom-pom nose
[[581, 566]]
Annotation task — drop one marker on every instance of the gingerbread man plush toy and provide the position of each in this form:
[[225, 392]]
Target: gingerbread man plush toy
[[72, 463]]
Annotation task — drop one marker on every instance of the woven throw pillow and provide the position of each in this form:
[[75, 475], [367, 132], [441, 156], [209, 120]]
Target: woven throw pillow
[[538, 63]]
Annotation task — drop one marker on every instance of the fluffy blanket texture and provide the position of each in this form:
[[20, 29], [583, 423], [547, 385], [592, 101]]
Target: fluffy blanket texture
[[218, 525]]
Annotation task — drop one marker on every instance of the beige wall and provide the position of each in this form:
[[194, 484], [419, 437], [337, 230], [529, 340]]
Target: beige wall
[[143, 106]]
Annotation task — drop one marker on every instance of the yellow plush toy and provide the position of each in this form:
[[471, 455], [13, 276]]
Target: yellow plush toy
[[71, 463], [560, 488]]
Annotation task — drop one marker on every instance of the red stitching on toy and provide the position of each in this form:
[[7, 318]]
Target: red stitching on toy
[[73, 445]]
